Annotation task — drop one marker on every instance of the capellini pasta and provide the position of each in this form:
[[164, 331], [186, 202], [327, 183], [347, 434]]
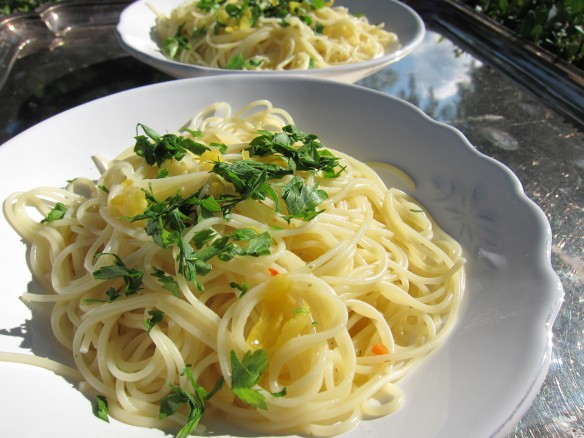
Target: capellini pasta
[[239, 268], [269, 35]]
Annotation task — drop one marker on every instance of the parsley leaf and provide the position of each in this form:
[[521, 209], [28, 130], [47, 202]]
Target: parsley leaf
[[259, 245], [245, 374], [189, 265], [251, 396], [155, 317], [56, 213], [236, 62], [302, 199], [132, 277], [248, 175], [281, 393], [242, 288], [155, 148], [168, 282], [174, 45], [250, 179], [311, 155], [162, 173], [254, 62], [195, 402], [100, 408], [209, 5], [167, 219]]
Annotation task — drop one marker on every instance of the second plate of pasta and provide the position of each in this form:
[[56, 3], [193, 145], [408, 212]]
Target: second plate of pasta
[[344, 40]]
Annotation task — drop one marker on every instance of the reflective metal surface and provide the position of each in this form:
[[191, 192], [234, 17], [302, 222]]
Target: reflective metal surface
[[525, 112]]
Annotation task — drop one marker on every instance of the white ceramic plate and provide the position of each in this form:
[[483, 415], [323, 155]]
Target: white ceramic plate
[[479, 383], [135, 33]]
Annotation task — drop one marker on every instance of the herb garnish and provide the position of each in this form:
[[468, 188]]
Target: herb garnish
[[289, 151], [167, 281], [251, 178], [310, 156], [195, 401], [173, 46], [157, 149], [168, 219], [302, 199], [100, 408], [242, 288], [209, 5], [132, 277], [56, 213], [155, 317], [238, 62], [246, 373], [242, 14]]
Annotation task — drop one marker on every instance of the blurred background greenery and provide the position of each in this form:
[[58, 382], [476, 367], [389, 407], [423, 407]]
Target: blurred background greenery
[[11, 6], [555, 25]]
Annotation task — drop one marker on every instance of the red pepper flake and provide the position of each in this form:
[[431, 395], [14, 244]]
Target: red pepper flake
[[379, 349], [273, 271]]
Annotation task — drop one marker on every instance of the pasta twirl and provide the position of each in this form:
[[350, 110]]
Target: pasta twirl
[[270, 35], [253, 250]]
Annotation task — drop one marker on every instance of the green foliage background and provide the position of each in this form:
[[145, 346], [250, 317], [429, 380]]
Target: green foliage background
[[555, 25], [11, 6]]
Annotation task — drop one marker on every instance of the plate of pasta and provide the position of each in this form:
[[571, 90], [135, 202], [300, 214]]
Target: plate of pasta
[[342, 40], [259, 260]]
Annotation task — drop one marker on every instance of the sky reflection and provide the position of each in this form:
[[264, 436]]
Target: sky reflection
[[442, 72]]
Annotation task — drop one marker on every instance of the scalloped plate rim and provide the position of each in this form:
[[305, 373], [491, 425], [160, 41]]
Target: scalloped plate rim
[[551, 298]]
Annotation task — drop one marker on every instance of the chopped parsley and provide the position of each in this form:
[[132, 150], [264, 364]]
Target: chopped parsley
[[242, 288], [210, 5], [195, 402], [56, 213], [302, 199], [300, 310], [242, 14], [155, 317], [132, 278], [168, 219], [281, 154], [167, 281], [310, 156], [100, 408], [156, 148], [175, 45], [162, 173], [238, 62], [246, 373]]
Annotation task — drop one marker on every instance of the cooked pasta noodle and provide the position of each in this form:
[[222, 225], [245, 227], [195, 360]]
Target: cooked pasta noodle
[[269, 35], [344, 302]]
